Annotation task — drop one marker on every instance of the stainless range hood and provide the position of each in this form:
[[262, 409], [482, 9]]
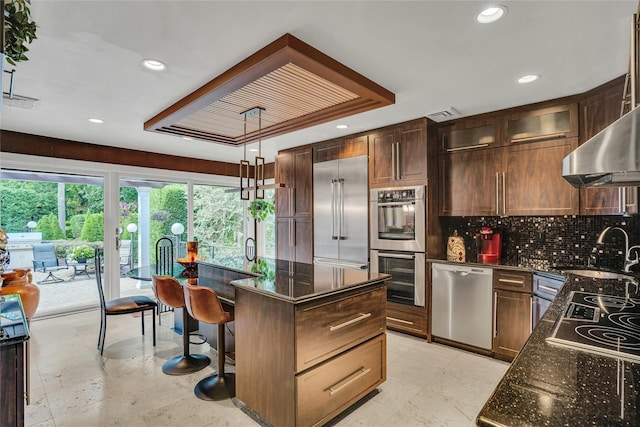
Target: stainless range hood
[[610, 159]]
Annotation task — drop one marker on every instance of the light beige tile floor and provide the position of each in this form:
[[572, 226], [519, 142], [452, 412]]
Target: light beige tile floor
[[71, 385]]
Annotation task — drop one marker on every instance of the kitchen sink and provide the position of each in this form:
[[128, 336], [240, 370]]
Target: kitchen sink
[[598, 274]]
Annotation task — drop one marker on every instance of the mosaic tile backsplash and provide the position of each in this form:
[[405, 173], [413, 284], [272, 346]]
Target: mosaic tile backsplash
[[551, 241]]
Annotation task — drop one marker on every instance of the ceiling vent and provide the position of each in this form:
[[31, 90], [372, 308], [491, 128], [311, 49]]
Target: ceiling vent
[[444, 115], [294, 84]]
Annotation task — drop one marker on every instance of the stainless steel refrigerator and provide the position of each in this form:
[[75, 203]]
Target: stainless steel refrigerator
[[340, 212]]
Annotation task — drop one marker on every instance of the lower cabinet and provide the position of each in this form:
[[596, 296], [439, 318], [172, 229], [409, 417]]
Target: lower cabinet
[[404, 318], [301, 364], [512, 302]]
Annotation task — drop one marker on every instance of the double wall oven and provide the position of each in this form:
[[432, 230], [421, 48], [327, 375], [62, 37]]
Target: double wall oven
[[398, 242]]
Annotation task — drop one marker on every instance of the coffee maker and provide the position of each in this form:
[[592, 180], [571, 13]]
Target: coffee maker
[[488, 245]]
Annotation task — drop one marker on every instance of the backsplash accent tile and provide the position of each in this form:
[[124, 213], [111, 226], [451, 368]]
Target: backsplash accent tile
[[550, 241]]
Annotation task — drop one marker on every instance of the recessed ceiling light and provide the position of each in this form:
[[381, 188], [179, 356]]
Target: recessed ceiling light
[[98, 121], [255, 150], [491, 14], [528, 79], [186, 138], [154, 65], [342, 126]]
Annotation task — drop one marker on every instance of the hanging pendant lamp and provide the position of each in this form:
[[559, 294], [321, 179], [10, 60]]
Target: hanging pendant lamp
[[258, 168]]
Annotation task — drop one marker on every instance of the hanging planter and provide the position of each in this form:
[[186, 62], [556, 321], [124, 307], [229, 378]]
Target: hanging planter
[[19, 30], [260, 209]]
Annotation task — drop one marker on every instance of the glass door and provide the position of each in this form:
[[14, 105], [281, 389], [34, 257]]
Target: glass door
[[60, 213]]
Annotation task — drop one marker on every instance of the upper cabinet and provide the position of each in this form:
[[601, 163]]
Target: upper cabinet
[[398, 155], [340, 148], [510, 165], [599, 109], [294, 170]]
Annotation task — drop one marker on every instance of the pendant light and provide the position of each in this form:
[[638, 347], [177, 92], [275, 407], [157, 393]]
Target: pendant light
[[258, 168]]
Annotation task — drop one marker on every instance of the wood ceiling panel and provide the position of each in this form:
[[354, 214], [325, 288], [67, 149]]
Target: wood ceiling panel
[[296, 85]]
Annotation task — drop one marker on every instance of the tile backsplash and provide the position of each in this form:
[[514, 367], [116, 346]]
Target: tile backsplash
[[550, 241]]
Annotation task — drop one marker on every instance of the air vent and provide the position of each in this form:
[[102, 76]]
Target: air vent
[[441, 116], [18, 101]]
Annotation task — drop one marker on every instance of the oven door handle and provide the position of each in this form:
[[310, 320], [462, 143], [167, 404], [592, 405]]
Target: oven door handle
[[408, 202], [400, 256]]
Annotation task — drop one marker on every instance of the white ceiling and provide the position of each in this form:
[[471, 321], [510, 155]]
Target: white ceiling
[[432, 54]]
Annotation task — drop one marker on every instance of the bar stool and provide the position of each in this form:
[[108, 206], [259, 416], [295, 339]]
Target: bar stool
[[203, 305], [169, 292]]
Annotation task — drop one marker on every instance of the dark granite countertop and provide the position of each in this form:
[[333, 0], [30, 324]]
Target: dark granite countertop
[[299, 282], [547, 385]]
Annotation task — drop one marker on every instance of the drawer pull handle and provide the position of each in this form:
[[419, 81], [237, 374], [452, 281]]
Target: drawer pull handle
[[348, 381], [349, 322], [547, 288], [399, 320], [517, 282]]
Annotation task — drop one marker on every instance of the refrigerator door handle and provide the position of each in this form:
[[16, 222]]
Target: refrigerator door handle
[[341, 235], [333, 210]]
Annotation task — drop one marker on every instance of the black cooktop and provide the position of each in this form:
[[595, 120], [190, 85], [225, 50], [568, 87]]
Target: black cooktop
[[607, 325]]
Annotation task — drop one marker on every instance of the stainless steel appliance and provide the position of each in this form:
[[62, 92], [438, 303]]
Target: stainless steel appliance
[[20, 248], [407, 272], [398, 219], [545, 288], [340, 218], [606, 325], [461, 306]]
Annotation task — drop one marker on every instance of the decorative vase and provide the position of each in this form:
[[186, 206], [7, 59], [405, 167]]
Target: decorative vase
[[18, 282], [455, 248]]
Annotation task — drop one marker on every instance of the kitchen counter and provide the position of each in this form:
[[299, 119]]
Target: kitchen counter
[[551, 385]]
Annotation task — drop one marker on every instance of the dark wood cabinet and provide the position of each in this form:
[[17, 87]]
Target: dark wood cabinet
[[398, 155], [301, 364], [600, 108], [470, 182], [294, 239], [294, 169], [340, 148], [408, 319], [520, 176], [512, 312], [12, 384], [532, 183], [294, 207]]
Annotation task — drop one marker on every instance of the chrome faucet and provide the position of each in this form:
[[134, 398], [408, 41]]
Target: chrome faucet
[[627, 251]]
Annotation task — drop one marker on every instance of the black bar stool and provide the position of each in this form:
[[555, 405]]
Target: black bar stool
[[203, 305], [169, 292]]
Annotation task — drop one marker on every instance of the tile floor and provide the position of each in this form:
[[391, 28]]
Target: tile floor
[[72, 385]]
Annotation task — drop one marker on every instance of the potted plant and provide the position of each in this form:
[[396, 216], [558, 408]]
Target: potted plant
[[19, 30], [81, 253], [260, 209]]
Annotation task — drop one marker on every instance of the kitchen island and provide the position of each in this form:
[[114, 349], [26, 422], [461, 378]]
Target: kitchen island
[[549, 385], [310, 340]]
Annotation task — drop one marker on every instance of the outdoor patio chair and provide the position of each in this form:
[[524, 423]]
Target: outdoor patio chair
[[46, 261], [126, 257]]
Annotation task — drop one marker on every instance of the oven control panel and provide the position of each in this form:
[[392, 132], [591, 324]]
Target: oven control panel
[[387, 196]]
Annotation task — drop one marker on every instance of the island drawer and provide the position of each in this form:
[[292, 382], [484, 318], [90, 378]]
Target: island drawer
[[334, 385], [324, 330], [510, 280]]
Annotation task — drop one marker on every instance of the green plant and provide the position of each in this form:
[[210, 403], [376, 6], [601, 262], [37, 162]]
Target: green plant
[[80, 252], [19, 30], [260, 209]]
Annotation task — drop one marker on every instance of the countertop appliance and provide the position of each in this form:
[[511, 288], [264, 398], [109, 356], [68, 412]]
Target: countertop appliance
[[340, 217], [605, 325], [398, 219], [462, 304], [489, 245]]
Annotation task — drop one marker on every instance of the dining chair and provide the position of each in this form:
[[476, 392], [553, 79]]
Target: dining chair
[[124, 305], [164, 267]]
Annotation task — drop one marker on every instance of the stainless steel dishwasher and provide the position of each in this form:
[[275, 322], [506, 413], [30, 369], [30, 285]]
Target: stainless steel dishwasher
[[462, 304]]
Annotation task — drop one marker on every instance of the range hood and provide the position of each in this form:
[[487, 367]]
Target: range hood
[[610, 159]]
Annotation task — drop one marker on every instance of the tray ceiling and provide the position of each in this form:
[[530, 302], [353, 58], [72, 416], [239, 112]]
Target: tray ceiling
[[296, 85]]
